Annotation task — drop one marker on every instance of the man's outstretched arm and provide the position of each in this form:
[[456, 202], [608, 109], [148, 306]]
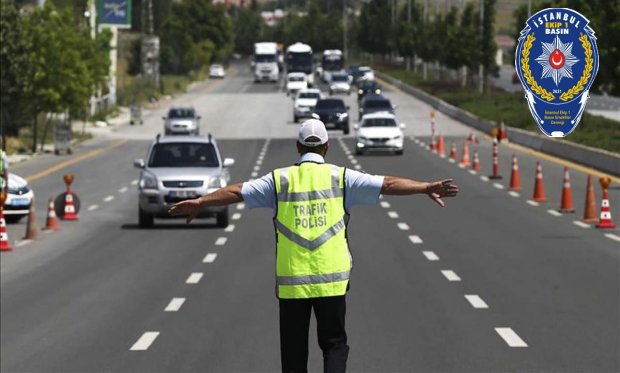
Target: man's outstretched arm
[[400, 186], [221, 197]]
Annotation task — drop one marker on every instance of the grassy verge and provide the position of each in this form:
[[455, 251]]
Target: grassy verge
[[497, 105], [135, 90], [23, 143]]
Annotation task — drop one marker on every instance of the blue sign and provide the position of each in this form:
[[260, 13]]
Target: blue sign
[[114, 13], [557, 61]]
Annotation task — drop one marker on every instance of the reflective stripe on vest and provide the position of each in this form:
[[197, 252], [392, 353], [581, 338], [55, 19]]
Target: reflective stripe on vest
[[313, 257]]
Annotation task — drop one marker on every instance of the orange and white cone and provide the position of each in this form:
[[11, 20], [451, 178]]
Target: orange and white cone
[[51, 223], [503, 134], [465, 156], [566, 205], [433, 145], [441, 147], [496, 174], [69, 213], [453, 152], [605, 217], [539, 185], [472, 138], [476, 165], [31, 231], [589, 213], [515, 175], [5, 245]]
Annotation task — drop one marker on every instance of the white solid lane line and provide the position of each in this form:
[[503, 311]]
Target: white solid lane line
[[385, 204], [498, 185], [532, 203], [221, 241], [240, 206], [484, 178], [612, 236], [230, 228], [430, 256], [510, 337], [393, 214], [144, 342], [108, 198], [403, 226], [513, 193], [122, 190], [92, 207], [194, 278], [581, 224], [236, 216], [134, 182], [415, 239], [450, 275], [554, 213], [476, 301], [174, 305], [210, 258]]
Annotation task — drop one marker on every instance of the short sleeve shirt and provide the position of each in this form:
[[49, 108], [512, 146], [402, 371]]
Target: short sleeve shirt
[[360, 188]]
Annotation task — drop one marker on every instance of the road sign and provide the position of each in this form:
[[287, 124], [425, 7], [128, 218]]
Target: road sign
[[116, 13]]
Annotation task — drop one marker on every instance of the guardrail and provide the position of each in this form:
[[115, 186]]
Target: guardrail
[[601, 160]]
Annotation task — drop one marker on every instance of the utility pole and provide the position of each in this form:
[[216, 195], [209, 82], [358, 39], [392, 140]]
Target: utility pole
[[424, 63], [150, 45], [480, 66], [529, 8], [344, 34], [408, 58]]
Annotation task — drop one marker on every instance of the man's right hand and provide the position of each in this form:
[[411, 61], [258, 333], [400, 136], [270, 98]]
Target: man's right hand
[[190, 207]]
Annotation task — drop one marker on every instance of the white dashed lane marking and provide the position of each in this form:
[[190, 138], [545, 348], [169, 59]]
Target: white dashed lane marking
[[254, 174], [92, 207], [484, 178], [554, 213], [403, 226], [145, 341], [612, 236], [385, 204], [108, 198], [194, 278], [581, 224], [532, 203], [122, 190], [510, 337], [430, 256], [210, 258], [498, 185], [221, 241], [473, 172], [134, 182], [256, 168], [22, 243], [358, 167], [476, 301], [259, 162], [415, 239], [229, 228], [393, 214], [236, 216], [450, 275], [513, 193], [240, 206], [174, 305]]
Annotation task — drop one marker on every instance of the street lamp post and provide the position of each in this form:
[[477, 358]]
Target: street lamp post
[[481, 66]]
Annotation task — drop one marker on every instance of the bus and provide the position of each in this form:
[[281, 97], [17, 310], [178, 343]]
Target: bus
[[299, 59], [332, 61]]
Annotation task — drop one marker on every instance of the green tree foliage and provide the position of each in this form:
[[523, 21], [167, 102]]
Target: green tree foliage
[[375, 27], [247, 26], [318, 29], [194, 34], [488, 47]]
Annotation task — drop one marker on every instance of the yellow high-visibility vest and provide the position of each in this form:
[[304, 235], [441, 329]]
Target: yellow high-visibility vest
[[312, 255]]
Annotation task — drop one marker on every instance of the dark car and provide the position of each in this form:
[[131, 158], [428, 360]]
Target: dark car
[[367, 87], [334, 113], [374, 104]]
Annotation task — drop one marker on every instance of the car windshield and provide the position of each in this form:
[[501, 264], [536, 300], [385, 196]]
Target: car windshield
[[183, 155], [330, 104], [309, 95], [379, 122], [295, 78], [368, 84], [340, 78], [265, 58], [216, 67], [181, 113], [364, 69], [378, 104]]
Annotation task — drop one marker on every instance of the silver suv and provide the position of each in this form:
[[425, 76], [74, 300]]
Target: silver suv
[[182, 120], [179, 168]]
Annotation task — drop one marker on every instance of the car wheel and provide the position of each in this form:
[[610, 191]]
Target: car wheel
[[222, 218], [145, 220], [166, 132], [399, 152], [13, 218], [295, 118], [358, 152], [345, 129]]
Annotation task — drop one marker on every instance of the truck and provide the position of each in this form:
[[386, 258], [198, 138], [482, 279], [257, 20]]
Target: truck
[[331, 61], [299, 60], [265, 63]]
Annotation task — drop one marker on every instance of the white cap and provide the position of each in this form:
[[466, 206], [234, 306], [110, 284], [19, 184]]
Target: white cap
[[312, 128]]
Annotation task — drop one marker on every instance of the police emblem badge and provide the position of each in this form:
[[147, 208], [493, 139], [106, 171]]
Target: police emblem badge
[[557, 61]]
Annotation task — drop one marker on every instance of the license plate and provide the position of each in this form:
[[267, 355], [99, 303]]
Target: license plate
[[181, 193], [20, 201]]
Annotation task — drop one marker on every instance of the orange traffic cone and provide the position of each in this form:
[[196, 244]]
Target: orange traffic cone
[[472, 138], [605, 217], [566, 206], [496, 174], [465, 156], [51, 224], [476, 165], [4, 237], [503, 135], [31, 231], [539, 186], [441, 147], [453, 152], [69, 213], [589, 214], [515, 176]]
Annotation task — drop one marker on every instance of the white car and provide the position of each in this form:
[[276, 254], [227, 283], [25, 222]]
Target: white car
[[305, 101], [18, 200], [217, 71], [365, 73], [379, 131], [339, 83], [295, 82]]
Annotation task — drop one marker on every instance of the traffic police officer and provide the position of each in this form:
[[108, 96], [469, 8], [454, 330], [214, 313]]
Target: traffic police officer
[[311, 201]]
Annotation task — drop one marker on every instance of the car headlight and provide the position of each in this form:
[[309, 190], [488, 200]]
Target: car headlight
[[397, 137], [216, 182], [360, 92], [342, 116], [148, 181], [377, 91], [362, 139]]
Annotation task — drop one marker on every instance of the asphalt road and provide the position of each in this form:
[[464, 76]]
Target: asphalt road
[[489, 283]]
